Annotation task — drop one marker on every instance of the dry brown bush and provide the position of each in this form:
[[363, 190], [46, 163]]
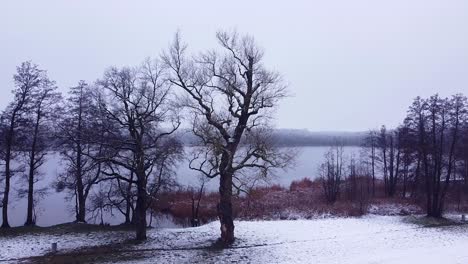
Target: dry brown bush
[[304, 199]]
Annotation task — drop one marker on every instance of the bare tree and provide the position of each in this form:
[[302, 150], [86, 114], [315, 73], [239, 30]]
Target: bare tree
[[122, 196], [407, 169], [436, 124], [390, 158], [331, 173], [77, 147], [138, 102], [163, 177], [28, 79], [357, 184], [394, 163], [41, 113], [99, 202], [196, 197], [461, 177], [230, 95], [370, 145]]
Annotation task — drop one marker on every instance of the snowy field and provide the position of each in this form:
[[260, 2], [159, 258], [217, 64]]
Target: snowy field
[[370, 239]]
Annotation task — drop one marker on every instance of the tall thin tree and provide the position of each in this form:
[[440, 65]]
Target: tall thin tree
[[75, 128], [42, 112], [27, 79]]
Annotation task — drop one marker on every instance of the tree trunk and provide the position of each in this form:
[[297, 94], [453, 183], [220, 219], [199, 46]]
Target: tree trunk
[[405, 176], [29, 218], [133, 216], [127, 213], [385, 170], [30, 221], [140, 213], [128, 203], [193, 221], [225, 209], [435, 208], [6, 193], [417, 177], [81, 199], [81, 216]]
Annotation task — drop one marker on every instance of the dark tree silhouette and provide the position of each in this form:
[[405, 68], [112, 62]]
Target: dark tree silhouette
[[390, 158], [230, 95], [137, 101], [332, 173], [370, 145], [27, 80], [77, 147], [436, 124], [41, 114]]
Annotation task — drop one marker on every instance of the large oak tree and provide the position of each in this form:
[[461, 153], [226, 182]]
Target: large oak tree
[[230, 95]]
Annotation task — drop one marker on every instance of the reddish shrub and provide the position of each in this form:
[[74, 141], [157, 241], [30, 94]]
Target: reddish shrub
[[304, 199], [305, 183]]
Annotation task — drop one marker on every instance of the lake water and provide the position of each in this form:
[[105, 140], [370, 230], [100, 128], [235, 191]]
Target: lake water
[[53, 209]]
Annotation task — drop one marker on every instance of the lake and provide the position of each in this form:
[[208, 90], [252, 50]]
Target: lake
[[54, 209]]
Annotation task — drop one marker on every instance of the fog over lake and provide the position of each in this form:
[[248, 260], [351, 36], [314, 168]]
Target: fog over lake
[[54, 209]]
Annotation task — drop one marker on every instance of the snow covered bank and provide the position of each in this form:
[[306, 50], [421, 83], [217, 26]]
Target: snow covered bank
[[370, 239]]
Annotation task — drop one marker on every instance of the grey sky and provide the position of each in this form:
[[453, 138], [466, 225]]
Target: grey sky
[[351, 65]]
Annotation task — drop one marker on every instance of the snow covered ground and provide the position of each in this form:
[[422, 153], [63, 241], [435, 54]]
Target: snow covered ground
[[370, 239]]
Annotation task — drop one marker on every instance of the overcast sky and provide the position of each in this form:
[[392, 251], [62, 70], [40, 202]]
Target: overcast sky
[[351, 65]]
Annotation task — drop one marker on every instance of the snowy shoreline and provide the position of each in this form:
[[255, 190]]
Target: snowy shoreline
[[384, 239]]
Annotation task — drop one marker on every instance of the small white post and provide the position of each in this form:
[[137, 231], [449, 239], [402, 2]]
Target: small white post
[[54, 247]]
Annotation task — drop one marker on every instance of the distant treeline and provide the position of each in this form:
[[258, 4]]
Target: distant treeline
[[298, 138], [301, 137]]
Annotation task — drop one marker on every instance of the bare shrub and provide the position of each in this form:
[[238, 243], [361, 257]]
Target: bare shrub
[[305, 183], [331, 173]]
